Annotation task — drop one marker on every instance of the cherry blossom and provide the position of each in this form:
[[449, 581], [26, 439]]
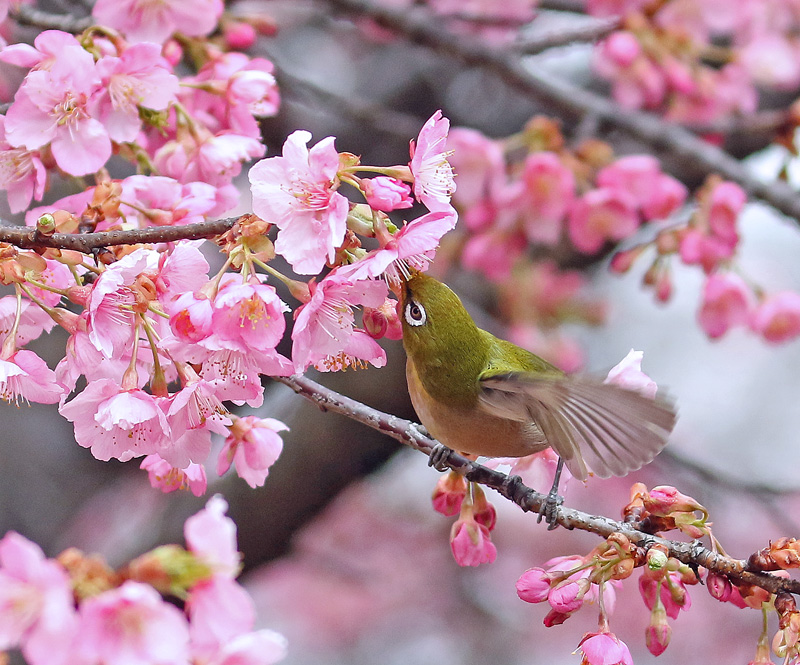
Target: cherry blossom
[[777, 319], [324, 333], [727, 302], [433, 175], [604, 648], [387, 194], [167, 478], [253, 446], [24, 375], [471, 543], [22, 173], [601, 215], [156, 20], [297, 192]]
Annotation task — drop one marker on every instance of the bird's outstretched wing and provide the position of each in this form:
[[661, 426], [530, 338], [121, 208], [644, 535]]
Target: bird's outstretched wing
[[607, 428]]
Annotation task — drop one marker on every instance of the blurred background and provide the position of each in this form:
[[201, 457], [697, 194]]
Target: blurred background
[[342, 549]]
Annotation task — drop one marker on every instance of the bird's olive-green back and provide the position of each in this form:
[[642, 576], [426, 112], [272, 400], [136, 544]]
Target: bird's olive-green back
[[450, 353]]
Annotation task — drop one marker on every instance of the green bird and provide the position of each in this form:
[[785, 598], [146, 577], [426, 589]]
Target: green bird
[[479, 394]]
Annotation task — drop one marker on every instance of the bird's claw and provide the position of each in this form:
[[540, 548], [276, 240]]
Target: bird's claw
[[439, 456], [549, 509]]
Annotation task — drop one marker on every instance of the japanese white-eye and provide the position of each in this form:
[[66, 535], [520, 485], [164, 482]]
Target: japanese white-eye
[[479, 394]]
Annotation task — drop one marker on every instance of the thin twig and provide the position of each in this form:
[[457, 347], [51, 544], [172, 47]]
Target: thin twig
[[409, 433], [30, 238], [563, 37], [36, 18], [570, 100]]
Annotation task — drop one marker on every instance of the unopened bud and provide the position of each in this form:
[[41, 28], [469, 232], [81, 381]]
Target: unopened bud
[[46, 225]]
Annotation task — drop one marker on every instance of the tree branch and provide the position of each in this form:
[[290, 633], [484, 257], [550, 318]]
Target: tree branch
[[563, 37], [409, 433], [30, 238], [36, 18], [566, 98]]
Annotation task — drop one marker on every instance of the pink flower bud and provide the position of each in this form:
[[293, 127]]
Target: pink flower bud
[[664, 500], [658, 632], [726, 303], [471, 543], [604, 649], [555, 618], [567, 596], [239, 35], [533, 586], [777, 319], [449, 494], [374, 322], [387, 194], [622, 48]]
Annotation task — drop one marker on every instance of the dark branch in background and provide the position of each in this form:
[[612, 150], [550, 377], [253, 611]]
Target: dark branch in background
[[575, 102], [30, 238], [573, 6], [35, 18], [565, 36], [409, 433], [378, 116]]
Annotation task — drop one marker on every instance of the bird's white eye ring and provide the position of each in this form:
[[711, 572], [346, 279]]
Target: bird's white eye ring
[[415, 314]]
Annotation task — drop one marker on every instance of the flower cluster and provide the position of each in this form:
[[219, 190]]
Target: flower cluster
[[470, 537], [162, 343], [666, 56], [75, 609]]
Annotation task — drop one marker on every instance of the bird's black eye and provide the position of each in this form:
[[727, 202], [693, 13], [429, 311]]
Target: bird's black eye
[[415, 313]]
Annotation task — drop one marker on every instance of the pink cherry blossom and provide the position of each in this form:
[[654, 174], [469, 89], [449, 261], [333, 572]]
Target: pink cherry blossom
[[777, 319], [297, 192], [383, 321], [261, 647], [387, 194], [412, 246], [324, 333], [117, 423], [211, 535], [727, 201], [601, 215], [139, 77], [604, 649], [192, 414], [111, 317], [727, 302], [247, 316], [131, 625], [36, 605], [493, 253], [628, 374], [547, 195], [156, 20], [567, 596], [52, 106], [161, 201], [200, 156], [235, 374], [167, 478], [191, 317], [708, 251], [451, 489], [641, 177], [471, 543], [253, 445], [433, 175], [614, 7], [670, 589], [24, 375], [233, 91], [47, 47], [33, 320], [22, 173]]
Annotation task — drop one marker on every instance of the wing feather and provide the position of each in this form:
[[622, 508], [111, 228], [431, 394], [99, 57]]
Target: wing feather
[[606, 427]]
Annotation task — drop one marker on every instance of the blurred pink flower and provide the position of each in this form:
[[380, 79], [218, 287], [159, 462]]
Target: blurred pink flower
[[548, 191], [727, 201], [478, 164], [601, 215], [628, 374], [727, 302], [167, 478], [131, 625], [36, 605], [777, 319], [261, 647], [433, 175], [493, 253], [253, 445], [156, 20]]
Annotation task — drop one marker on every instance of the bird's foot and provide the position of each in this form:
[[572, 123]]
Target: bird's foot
[[549, 509], [439, 456]]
